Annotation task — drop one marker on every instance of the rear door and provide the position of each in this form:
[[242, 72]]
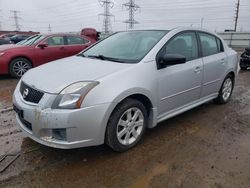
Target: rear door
[[215, 63], [180, 84], [75, 44], [55, 50]]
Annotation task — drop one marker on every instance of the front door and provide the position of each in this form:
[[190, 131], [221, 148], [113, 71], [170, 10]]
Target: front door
[[55, 50], [180, 84]]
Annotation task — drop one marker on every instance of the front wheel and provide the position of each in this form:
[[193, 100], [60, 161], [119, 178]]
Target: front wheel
[[226, 90], [126, 125], [19, 66]]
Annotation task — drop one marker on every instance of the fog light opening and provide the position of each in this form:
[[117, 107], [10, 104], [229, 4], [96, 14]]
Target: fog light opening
[[59, 134]]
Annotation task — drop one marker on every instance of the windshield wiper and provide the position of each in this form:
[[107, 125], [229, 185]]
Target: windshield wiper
[[81, 55], [102, 57]]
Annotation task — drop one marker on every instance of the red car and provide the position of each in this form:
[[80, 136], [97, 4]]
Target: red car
[[39, 49]]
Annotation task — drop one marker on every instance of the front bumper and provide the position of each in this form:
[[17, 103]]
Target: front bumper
[[4, 65], [60, 128]]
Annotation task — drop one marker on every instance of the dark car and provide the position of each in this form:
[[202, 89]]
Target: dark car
[[4, 41], [4, 36], [17, 38], [245, 59]]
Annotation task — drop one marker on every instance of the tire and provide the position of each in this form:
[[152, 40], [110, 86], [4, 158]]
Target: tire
[[120, 122], [19, 66], [225, 90]]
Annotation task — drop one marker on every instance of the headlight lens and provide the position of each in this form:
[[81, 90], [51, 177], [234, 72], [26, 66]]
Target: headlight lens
[[72, 96]]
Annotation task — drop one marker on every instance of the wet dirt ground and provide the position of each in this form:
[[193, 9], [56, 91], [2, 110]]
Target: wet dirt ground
[[202, 148]]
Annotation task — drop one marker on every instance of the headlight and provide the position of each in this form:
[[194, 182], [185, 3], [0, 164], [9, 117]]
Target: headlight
[[72, 96], [2, 53]]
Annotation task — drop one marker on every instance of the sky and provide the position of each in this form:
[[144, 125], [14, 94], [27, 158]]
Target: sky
[[73, 15]]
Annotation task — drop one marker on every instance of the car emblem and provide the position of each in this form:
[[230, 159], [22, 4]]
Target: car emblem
[[25, 93]]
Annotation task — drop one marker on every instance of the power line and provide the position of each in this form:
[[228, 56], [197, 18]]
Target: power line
[[236, 15], [107, 4], [132, 8], [16, 19]]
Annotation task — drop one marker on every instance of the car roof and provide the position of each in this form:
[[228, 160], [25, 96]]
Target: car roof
[[60, 34]]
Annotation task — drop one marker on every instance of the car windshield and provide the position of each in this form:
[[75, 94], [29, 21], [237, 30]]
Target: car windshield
[[125, 47], [31, 40]]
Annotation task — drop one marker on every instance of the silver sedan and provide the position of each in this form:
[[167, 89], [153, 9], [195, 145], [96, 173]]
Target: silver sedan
[[117, 88]]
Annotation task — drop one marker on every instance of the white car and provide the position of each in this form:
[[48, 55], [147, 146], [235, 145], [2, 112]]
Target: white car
[[111, 92]]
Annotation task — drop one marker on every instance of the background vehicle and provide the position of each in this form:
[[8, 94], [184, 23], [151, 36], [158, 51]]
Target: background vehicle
[[122, 85], [39, 49], [8, 36], [4, 41], [245, 59], [17, 38]]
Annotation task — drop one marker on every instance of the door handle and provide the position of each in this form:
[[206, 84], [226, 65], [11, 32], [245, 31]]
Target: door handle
[[197, 69], [223, 61]]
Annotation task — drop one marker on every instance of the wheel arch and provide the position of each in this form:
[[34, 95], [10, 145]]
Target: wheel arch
[[21, 56], [142, 97]]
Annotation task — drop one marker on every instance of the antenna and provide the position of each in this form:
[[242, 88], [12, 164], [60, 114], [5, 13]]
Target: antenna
[[107, 4], [131, 7], [16, 19]]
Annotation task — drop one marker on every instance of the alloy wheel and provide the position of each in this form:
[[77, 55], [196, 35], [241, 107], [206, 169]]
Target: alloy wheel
[[227, 89], [20, 67], [130, 126]]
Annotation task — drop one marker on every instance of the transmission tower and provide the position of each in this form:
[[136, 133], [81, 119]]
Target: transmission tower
[[132, 7], [16, 19], [236, 15], [107, 4]]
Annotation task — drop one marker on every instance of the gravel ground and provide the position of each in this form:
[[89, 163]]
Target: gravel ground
[[205, 147]]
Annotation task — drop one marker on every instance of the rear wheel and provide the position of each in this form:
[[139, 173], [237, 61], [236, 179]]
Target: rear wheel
[[226, 90], [126, 125], [19, 66]]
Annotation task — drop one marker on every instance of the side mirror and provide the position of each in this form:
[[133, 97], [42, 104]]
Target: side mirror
[[171, 59], [42, 45]]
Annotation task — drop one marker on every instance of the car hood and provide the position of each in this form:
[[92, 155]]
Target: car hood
[[55, 76], [9, 46]]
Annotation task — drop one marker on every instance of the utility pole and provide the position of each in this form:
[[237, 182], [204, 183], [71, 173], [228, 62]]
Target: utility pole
[[107, 4], [132, 8], [202, 20], [49, 29], [236, 15], [16, 19], [0, 20]]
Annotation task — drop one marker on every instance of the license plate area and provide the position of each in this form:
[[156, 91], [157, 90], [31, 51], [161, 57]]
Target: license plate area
[[19, 112]]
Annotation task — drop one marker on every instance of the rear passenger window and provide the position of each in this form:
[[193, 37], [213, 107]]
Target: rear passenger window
[[209, 44]]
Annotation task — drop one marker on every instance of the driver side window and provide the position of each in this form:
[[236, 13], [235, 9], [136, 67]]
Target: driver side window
[[184, 44], [55, 41]]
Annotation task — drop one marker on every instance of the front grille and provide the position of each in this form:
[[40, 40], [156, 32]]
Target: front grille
[[29, 94]]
